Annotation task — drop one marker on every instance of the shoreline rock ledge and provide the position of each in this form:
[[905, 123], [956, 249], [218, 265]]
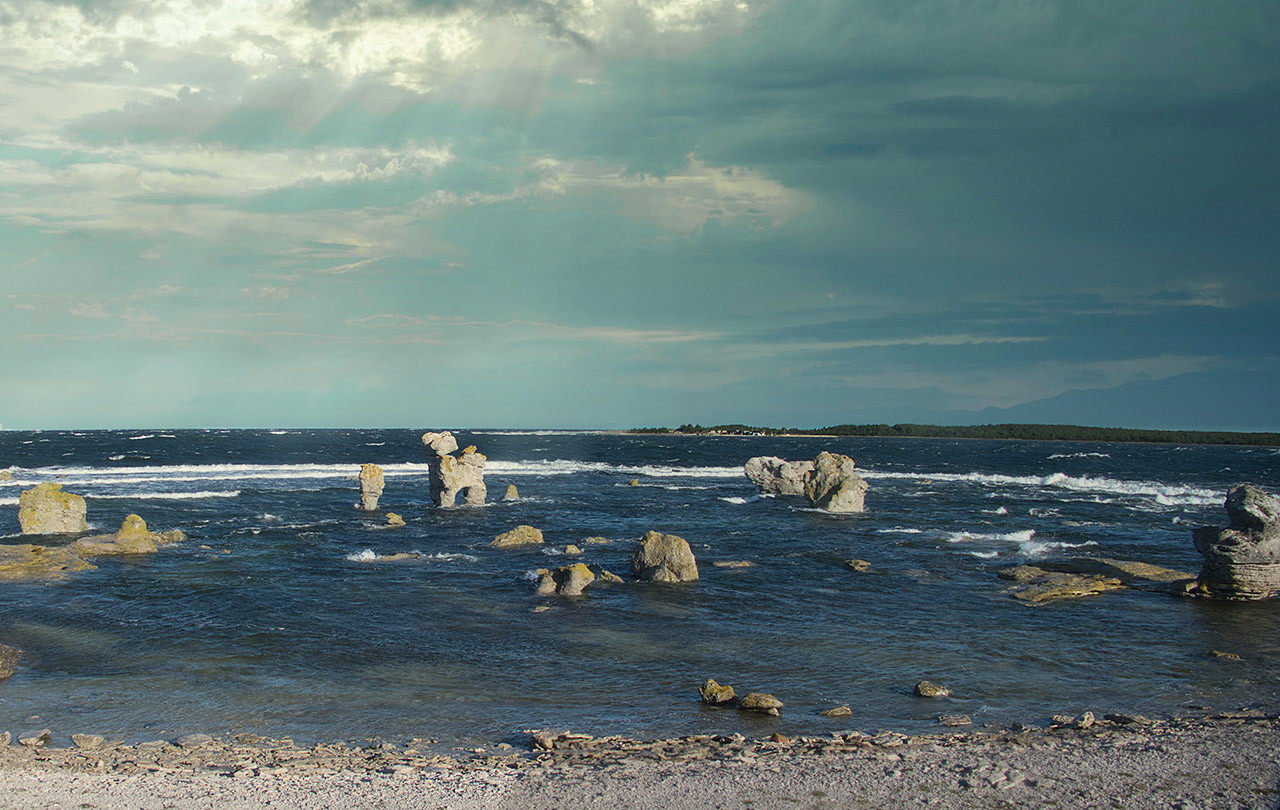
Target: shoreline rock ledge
[[453, 474], [828, 482], [1242, 561]]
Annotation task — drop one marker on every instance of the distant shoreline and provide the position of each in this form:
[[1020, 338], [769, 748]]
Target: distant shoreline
[[1016, 432]]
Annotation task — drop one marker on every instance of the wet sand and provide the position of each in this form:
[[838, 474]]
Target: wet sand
[[1225, 760]]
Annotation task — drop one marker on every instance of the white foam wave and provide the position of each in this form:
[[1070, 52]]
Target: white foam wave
[[166, 496], [740, 501], [570, 467], [1167, 494], [999, 511], [143, 436], [278, 432], [8, 501], [1080, 455], [899, 530], [1008, 537], [984, 555], [1036, 548], [369, 555]]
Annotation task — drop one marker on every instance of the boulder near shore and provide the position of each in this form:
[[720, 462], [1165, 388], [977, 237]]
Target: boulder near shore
[[371, 484]]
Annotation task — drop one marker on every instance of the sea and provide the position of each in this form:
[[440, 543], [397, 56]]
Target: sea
[[281, 616]]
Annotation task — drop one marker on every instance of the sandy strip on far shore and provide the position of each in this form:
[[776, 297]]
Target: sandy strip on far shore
[[1228, 760]]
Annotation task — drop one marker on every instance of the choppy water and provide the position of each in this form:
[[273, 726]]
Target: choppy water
[[287, 623]]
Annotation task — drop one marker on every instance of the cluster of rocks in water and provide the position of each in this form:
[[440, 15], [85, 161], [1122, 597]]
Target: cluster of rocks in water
[[46, 510]]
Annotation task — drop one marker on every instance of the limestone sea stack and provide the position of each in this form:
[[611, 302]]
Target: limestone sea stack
[[828, 482], [371, 483], [453, 474], [46, 509], [1242, 561], [664, 558]]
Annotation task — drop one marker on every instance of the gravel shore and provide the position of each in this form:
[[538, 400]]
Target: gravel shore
[[1227, 760]]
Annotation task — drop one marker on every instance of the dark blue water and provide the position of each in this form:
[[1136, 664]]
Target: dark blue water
[[277, 616]]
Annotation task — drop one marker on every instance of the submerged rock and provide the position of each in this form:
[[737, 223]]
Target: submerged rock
[[568, 580], [132, 538], [371, 484], [28, 562], [610, 577], [1242, 561], [715, 693], [450, 474], [837, 711], [1036, 585], [776, 476], [664, 558], [1131, 573], [394, 520], [46, 509], [857, 565], [8, 661], [519, 536]]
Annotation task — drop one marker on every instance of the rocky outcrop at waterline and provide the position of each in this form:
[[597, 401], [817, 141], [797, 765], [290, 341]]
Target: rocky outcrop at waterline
[[452, 474], [664, 558], [567, 580], [46, 509], [519, 536], [27, 562], [776, 476], [1242, 561], [828, 482], [132, 538], [371, 484]]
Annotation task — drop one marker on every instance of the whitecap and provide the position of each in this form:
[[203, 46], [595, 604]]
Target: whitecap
[[739, 501], [1080, 455], [984, 555], [143, 436], [367, 555], [899, 530], [1036, 548], [998, 511], [166, 496], [278, 432]]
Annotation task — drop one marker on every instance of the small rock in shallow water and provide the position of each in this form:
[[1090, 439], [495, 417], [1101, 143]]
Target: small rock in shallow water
[[857, 565], [715, 693], [733, 563], [1226, 656], [929, 689], [954, 720], [762, 703], [572, 551], [607, 576], [838, 711], [1086, 720], [88, 741], [1063, 719], [394, 520], [5, 738]]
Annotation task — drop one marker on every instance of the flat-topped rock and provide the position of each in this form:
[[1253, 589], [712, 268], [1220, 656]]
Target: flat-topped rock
[[46, 509], [31, 562], [1035, 585]]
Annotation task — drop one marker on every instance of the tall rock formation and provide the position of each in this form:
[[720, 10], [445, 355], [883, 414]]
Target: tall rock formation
[[1242, 561], [46, 509], [371, 483], [453, 474]]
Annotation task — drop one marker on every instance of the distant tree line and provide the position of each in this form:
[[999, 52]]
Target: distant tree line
[[1070, 433]]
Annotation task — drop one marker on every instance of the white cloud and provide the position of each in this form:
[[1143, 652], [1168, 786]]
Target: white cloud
[[96, 309], [268, 293]]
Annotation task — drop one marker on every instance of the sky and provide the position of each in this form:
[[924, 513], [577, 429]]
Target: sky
[[615, 213]]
